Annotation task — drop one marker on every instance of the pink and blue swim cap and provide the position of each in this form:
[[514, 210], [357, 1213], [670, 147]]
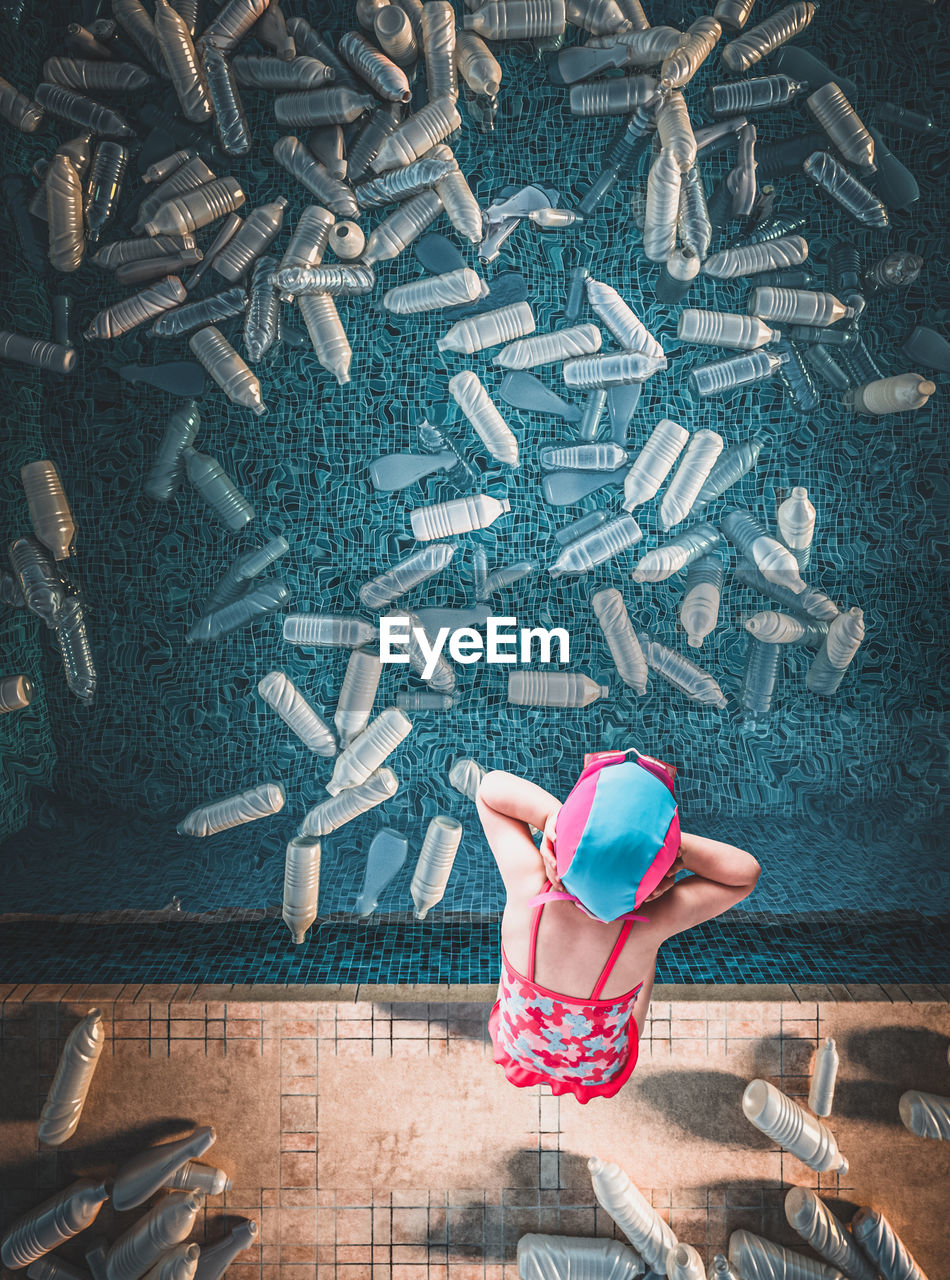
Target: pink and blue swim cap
[[617, 833]]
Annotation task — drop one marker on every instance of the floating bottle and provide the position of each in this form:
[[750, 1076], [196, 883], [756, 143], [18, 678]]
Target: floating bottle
[[292, 155], [191, 175], [350, 803], [234, 582], [366, 752], [653, 463], [434, 866], [225, 366], [262, 320], [699, 608], [878, 1239], [621, 639], [391, 236], [346, 280], [18, 110], [328, 629], [458, 515], [16, 692], [465, 776], [452, 289], [759, 41], [759, 94], [652, 1238], [357, 694], [662, 207], [197, 208], [759, 1259], [37, 353], [75, 650], [620, 319], [280, 75], [897, 271], [395, 36], [925, 1114], [471, 397], [553, 689], [798, 306], [863, 206], [417, 567], [325, 328], [488, 329], [438, 43], [384, 860], [280, 692], [264, 598], [677, 275], [784, 628], [417, 135], [597, 546], [62, 1109], [180, 58], [64, 210], [81, 111], [821, 1091], [518, 19], [681, 672], [260, 227], [697, 462], [44, 1228], [807, 1214], [897, 394], [844, 638], [476, 64], [550, 348], [347, 240], [301, 886], [505, 576], [128, 314], [50, 513], [700, 38], [796, 525], [769, 255], [385, 77], [723, 329], [400, 184], [38, 578], [149, 1171], [663, 561], [582, 457], [611, 369], [763, 662], [614, 97], [738, 371], [774, 561], [167, 469], [244, 806], [167, 1224], [810, 602], [842, 124], [792, 1127]]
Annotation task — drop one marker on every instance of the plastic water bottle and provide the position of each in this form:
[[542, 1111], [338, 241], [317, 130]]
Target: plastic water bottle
[[60, 1218], [424, 700], [693, 224], [254, 603], [833, 178], [458, 515], [701, 453], [199, 1177], [621, 639], [611, 369], [454, 288], [244, 806], [208, 477], [798, 306], [553, 689], [756, 1258], [128, 314], [64, 215], [541, 1255], [189, 176], [733, 14], [301, 886], [488, 329], [792, 1127], [845, 634], [654, 463], [280, 692], [318, 629], [16, 692], [179, 1263], [262, 320], [216, 1258], [279, 75], [338, 104], [347, 280], [402, 577], [898, 394], [700, 38], [40, 355], [438, 43], [549, 348], [308, 239], [747, 260], [723, 329], [675, 130], [18, 110], [389, 238], [820, 361], [366, 752], [759, 41], [248, 565], [807, 1214], [180, 58], [385, 77], [759, 94], [291, 154], [465, 776], [148, 1171], [517, 19], [759, 678], [62, 1109], [38, 579], [662, 562], [681, 672], [842, 124], [350, 803], [73, 641], [395, 36], [470, 395], [684, 1263], [223, 364], [784, 628], [79, 110], [796, 525], [738, 371], [699, 608], [662, 208], [458, 200], [434, 866], [325, 329], [677, 275], [595, 403], [811, 602], [897, 271], [197, 315], [629, 331], [417, 135], [384, 860], [878, 1239], [925, 1114], [774, 561], [597, 546], [167, 1224], [506, 576], [357, 694], [796, 377], [400, 184], [652, 1238], [476, 63], [582, 457], [822, 1088], [196, 208], [50, 513], [260, 228]]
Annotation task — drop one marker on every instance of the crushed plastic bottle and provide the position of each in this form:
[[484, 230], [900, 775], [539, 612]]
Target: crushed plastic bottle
[[465, 776], [385, 77], [402, 577], [458, 515], [628, 329], [758, 42], [621, 639], [898, 394], [78, 110], [723, 329], [233, 811], [62, 1109], [681, 672], [165, 1225], [145, 1173], [844, 638], [18, 110], [234, 582], [292, 155], [675, 130], [597, 546], [798, 306], [75, 650], [64, 210], [104, 187], [319, 629], [808, 1214], [279, 75], [783, 628], [774, 561], [693, 225], [280, 693], [662, 208], [673, 556], [260, 228], [843, 125], [553, 689], [262, 319], [357, 694], [42, 1229], [853, 196], [264, 598], [471, 397], [38, 579], [400, 184], [699, 40], [350, 803], [780, 1118], [747, 260], [366, 752], [505, 576], [550, 348], [346, 280], [181, 60], [701, 453], [810, 603], [454, 288], [653, 463]]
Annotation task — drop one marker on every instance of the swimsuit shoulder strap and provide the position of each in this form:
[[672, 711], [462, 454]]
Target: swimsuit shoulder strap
[[612, 959], [538, 904]]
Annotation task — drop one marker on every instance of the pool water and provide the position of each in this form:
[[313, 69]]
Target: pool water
[[840, 798]]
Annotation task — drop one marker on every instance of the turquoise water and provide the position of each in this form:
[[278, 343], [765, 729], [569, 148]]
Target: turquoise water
[[839, 798]]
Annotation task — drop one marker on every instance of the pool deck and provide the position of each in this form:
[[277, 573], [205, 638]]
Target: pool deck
[[370, 1134]]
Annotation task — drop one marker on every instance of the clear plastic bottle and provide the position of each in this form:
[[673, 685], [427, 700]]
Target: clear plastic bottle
[[385, 77], [399, 184], [553, 689], [330, 343], [540, 1255], [897, 394], [262, 320], [723, 329], [62, 1109], [402, 577], [822, 1088], [189, 176], [216, 1258], [843, 125], [319, 629], [699, 608], [292, 155], [280, 75], [78, 110], [197, 208], [774, 561], [550, 348], [810, 603], [199, 1177], [925, 1114], [365, 147], [38, 578], [798, 306], [701, 453], [391, 236], [384, 860], [649, 1234], [628, 329], [488, 329], [438, 43], [597, 546], [759, 94], [792, 1127], [266, 597], [232, 23], [452, 289], [280, 692], [18, 110], [149, 1170], [395, 36], [506, 576], [518, 19], [675, 130], [738, 371], [796, 525], [599, 17], [693, 225], [219, 359], [476, 63], [682, 64], [233, 811], [582, 457], [844, 638], [337, 104], [208, 477], [345, 280], [465, 776], [878, 1239], [653, 463], [60, 1218], [681, 672], [243, 570], [759, 41], [104, 187], [763, 662], [589, 425], [783, 628], [769, 255], [260, 228], [308, 239], [742, 183], [621, 639], [350, 803], [808, 1214], [50, 513], [301, 886], [470, 395], [615, 97], [180, 57], [458, 200], [128, 314], [796, 377], [662, 208], [853, 196], [755, 1256], [16, 692], [64, 210], [673, 556], [611, 369], [458, 515], [72, 638], [434, 866], [677, 275], [357, 694], [417, 135]]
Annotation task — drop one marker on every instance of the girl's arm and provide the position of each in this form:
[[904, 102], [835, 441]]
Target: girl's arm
[[722, 875], [508, 806]]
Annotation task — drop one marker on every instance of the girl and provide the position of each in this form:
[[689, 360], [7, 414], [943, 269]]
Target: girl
[[575, 984]]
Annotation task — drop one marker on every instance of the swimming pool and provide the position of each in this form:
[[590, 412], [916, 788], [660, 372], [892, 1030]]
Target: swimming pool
[[839, 798]]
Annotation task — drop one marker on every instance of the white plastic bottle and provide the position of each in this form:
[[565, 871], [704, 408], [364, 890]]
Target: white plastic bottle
[[491, 428], [681, 672], [898, 394], [748, 259], [325, 329], [357, 694], [452, 289], [42, 1229], [697, 462], [883, 1245], [925, 1114], [845, 634], [434, 866], [301, 886], [216, 1258], [550, 348], [458, 515], [684, 1263], [606, 456], [597, 546], [792, 1127], [758, 42], [723, 329], [807, 1214], [611, 369], [553, 689], [488, 329], [279, 691], [663, 561], [395, 233], [621, 639], [466, 776], [625, 325], [244, 806], [417, 567], [662, 208], [179, 1263], [67, 1094], [843, 125], [783, 628], [674, 130], [699, 608], [149, 1170], [774, 561], [417, 135], [167, 1224], [199, 1177], [798, 306], [349, 804], [652, 1238], [542, 1257], [366, 752], [796, 525], [653, 463], [328, 629], [759, 1259]]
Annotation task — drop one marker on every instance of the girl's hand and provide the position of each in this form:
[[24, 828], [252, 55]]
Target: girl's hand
[[667, 882], [547, 850]]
